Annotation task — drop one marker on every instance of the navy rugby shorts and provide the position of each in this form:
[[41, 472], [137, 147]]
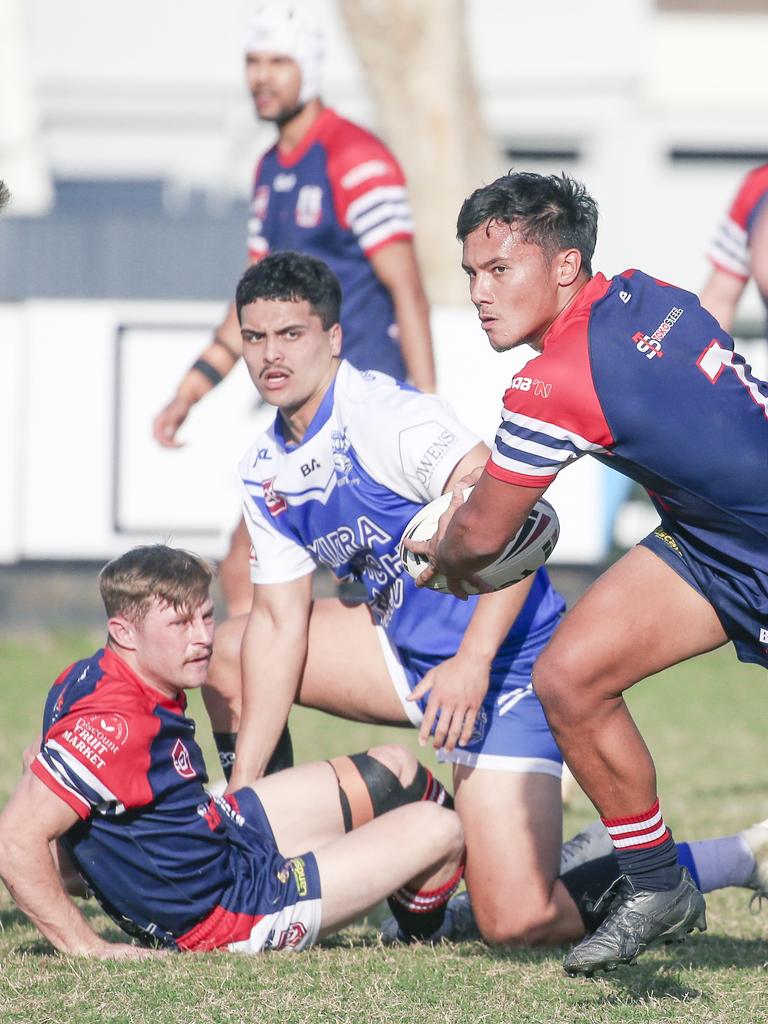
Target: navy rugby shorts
[[737, 592], [274, 901]]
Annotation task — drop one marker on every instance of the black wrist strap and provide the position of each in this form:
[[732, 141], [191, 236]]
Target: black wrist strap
[[208, 371]]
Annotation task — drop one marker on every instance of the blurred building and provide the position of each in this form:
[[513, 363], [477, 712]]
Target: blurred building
[[128, 140]]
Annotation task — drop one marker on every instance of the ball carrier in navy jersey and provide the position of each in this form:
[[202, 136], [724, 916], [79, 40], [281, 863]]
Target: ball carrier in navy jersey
[[348, 459], [119, 781], [636, 373], [332, 189]]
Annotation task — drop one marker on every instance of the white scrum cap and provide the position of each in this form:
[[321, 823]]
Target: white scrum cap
[[290, 29]]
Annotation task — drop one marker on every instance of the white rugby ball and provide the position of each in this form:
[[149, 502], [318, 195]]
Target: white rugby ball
[[531, 546]]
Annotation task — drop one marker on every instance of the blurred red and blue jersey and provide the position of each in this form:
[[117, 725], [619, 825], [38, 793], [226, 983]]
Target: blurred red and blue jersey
[[636, 373], [729, 249], [158, 852], [339, 196]]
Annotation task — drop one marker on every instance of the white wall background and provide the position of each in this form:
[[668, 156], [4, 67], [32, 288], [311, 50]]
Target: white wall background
[[154, 89]]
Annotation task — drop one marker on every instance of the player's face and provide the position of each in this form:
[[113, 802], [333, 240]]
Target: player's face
[[172, 649], [513, 285], [275, 84], [290, 356]]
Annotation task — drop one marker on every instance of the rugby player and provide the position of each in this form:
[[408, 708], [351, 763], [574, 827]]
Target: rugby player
[[332, 189], [119, 781], [636, 373], [347, 461]]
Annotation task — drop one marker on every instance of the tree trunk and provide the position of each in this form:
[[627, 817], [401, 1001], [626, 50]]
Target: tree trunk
[[415, 56]]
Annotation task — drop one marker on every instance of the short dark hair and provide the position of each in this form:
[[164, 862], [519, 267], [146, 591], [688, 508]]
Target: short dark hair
[[552, 211], [5, 195], [131, 582], [292, 277]]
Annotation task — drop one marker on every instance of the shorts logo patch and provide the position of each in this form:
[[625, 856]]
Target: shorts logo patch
[[668, 539], [291, 937], [764, 636], [481, 724], [296, 867]]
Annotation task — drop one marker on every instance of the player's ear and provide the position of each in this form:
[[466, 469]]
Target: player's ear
[[123, 632], [334, 336], [569, 266]]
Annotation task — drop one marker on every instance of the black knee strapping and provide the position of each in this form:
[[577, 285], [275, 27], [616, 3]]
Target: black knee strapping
[[367, 788]]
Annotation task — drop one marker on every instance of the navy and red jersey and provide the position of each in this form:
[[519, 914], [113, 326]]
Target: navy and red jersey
[[636, 373], [159, 854], [729, 249], [339, 196]]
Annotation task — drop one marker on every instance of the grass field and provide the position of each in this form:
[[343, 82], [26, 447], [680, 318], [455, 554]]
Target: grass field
[[706, 724]]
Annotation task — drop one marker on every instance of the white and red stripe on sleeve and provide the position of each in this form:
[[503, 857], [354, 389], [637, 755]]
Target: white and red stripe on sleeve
[[369, 190]]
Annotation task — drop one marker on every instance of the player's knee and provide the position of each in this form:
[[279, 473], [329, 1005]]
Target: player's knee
[[398, 760], [513, 926], [381, 779], [558, 681]]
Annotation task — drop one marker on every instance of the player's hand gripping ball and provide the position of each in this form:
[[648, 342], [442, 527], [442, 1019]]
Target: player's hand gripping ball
[[529, 548]]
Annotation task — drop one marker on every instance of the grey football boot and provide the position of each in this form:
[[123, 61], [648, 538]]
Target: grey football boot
[[637, 918]]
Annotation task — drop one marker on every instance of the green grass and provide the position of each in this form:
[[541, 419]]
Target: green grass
[[705, 722]]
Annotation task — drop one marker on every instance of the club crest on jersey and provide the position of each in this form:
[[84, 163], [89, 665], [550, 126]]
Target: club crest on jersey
[[182, 761], [309, 206], [275, 504], [342, 463]]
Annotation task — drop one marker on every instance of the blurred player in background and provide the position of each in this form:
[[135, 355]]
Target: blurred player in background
[[739, 250], [5, 196], [349, 459], [331, 189], [636, 373], [119, 781]]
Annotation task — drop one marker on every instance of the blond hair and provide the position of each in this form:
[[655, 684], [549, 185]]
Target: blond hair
[[131, 582]]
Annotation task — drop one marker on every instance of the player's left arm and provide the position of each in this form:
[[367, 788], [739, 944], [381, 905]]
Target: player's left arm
[[33, 818], [457, 687], [396, 267]]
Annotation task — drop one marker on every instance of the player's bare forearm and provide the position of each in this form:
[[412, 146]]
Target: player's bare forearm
[[396, 267], [721, 295], [480, 528], [212, 365], [29, 872], [493, 618], [273, 655]]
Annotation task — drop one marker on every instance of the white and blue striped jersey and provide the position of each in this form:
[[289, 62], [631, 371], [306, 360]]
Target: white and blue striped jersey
[[375, 452]]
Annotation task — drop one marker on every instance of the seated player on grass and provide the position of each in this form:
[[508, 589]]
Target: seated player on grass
[[119, 782], [349, 459]]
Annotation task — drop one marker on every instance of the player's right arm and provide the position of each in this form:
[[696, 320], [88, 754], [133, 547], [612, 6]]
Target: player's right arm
[[721, 295], [32, 819], [273, 653], [208, 370]]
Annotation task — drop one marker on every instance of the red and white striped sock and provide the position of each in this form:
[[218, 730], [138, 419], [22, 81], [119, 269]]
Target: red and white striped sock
[[638, 832], [645, 849]]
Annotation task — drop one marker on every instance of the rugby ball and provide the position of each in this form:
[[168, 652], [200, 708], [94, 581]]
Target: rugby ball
[[529, 548]]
